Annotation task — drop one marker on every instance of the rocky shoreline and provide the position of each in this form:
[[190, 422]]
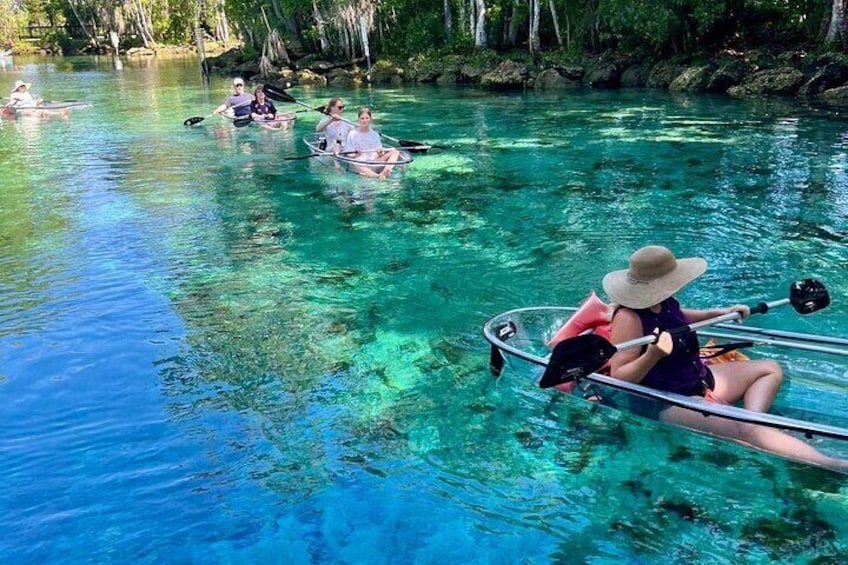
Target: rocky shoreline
[[740, 74]]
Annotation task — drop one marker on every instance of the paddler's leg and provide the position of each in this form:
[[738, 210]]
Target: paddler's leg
[[756, 383], [765, 438], [390, 157]]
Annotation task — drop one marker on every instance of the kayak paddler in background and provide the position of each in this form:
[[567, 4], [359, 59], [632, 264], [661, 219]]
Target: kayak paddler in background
[[239, 101]]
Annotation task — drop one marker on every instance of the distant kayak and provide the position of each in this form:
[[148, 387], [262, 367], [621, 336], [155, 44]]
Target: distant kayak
[[286, 121], [51, 108]]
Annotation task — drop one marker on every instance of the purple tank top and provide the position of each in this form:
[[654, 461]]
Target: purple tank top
[[682, 371]]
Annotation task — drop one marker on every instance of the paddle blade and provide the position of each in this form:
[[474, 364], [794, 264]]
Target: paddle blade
[[496, 362], [496, 358], [278, 94], [193, 121], [808, 296], [575, 358], [414, 146], [241, 122]]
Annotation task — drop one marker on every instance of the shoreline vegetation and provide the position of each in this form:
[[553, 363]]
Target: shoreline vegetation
[[741, 48], [756, 72]]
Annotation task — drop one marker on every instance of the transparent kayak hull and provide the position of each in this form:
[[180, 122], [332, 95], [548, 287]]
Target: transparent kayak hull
[[317, 146], [519, 340]]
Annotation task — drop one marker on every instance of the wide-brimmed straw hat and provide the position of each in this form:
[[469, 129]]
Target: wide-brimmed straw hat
[[654, 275], [20, 83]]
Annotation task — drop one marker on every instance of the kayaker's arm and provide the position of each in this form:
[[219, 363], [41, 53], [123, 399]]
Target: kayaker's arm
[[630, 364], [693, 316]]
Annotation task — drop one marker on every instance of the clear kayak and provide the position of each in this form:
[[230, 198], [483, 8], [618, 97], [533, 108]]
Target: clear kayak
[[317, 144], [46, 109], [815, 408], [285, 121]]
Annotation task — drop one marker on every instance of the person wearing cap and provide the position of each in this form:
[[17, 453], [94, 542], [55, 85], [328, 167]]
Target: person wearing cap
[[21, 97], [238, 102], [644, 303]]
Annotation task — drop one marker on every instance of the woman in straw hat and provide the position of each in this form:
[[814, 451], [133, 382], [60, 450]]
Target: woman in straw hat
[[644, 303]]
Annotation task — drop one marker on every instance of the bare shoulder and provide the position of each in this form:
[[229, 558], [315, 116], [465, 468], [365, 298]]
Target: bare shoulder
[[626, 325]]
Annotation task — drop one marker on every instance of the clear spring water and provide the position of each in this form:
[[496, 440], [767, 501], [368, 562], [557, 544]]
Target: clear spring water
[[210, 354]]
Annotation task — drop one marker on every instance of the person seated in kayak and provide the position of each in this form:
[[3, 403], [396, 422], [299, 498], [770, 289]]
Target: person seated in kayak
[[263, 110], [644, 303], [365, 145], [237, 104], [334, 126], [21, 97]]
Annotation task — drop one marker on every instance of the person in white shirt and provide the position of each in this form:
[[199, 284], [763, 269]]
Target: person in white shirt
[[334, 126], [364, 145], [21, 97]]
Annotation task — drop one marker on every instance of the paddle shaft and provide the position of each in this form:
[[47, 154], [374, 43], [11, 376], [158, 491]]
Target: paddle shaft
[[787, 335], [760, 308], [197, 120]]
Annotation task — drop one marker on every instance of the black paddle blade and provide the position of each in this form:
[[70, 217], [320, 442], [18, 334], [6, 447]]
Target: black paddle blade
[[278, 94], [496, 362], [241, 122], [496, 358], [414, 146], [575, 358], [193, 121], [808, 296]]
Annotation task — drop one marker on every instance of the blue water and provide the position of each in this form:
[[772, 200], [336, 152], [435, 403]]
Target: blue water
[[210, 354]]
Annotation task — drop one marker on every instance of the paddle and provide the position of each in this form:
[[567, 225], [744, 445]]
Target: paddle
[[197, 119], [577, 357], [281, 95]]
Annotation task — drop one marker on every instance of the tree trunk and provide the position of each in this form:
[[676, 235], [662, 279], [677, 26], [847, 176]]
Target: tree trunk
[[91, 36], [556, 22], [836, 31], [533, 40], [448, 22], [514, 24], [480, 40], [322, 29]]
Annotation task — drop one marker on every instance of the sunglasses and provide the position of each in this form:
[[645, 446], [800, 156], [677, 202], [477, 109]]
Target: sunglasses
[[340, 107]]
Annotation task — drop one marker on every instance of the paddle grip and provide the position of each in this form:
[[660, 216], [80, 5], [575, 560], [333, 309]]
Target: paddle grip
[[760, 308]]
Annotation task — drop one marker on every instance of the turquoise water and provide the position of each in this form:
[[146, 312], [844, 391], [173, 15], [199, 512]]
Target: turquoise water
[[210, 354]]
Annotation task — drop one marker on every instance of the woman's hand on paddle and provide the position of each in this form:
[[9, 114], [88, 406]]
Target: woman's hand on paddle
[[744, 311], [663, 346]]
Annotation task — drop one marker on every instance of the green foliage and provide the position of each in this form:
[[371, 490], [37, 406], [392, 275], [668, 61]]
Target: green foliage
[[173, 21], [59, 41], [663, 25], [404, 28], [12, 20]]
